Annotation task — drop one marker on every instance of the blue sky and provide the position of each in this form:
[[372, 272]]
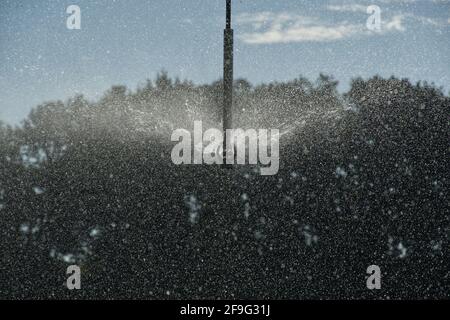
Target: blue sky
[[128, 41]]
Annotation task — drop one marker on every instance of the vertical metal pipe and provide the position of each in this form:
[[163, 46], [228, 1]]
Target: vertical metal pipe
[[228, 14], [227, 79]]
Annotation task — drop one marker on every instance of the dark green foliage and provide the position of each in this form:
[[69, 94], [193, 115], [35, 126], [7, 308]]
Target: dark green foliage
[[363, 176]]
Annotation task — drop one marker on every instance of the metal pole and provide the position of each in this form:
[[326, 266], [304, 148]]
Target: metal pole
[[227, 79]]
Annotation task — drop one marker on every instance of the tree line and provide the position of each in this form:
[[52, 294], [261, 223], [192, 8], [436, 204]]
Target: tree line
[[362, 181]]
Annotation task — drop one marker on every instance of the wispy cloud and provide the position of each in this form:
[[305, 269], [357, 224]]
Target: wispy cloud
[[353, 7], [261, 19], [397, 16], [395, 24], [271, 28], [299, 34]]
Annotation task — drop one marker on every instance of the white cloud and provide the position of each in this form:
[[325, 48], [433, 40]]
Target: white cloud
[[266, 18], [299, 34], [348, 8], [396, 23], [271, 28], [397, 19]]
